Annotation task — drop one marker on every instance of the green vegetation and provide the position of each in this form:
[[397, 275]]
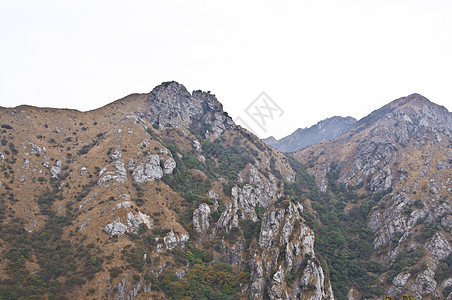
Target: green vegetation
[[203, 281], [57, 258], [406, 259], [85, 149], [231, 159], [12, 148], [443, 272], [342, 239]]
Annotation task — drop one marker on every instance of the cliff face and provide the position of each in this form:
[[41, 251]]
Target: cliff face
[[396, 163], [325, 130], [157, 195]]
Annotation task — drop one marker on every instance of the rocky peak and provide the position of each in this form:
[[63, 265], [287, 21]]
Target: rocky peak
[[270, 140], [208, 101], [412, 100], [414, 109], [173, 106]]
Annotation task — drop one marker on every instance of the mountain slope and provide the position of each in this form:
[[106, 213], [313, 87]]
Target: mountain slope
[[325, 130], [394, 171], [154, 195]]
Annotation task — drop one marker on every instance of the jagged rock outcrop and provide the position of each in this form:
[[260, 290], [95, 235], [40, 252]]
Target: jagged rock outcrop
[[125, 291], [148, 170], [113, 173], [171, 240], [172, 105], [130, 223], [55, 170], [201, 218], [286, 248]]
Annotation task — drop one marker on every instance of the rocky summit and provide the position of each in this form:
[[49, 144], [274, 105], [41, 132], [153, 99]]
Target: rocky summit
[[162, 196]]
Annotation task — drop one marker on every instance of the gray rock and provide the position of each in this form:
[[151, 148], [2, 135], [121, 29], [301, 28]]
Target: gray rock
[[148, 170], [116, 155], [83, 171], [169, 166], [446, 222], [277, 285], [398, 284], [278, 231], [115, 228], [125, 291], [438, 248], [56, 169], [123, 204], [134, 222], [201, 218], [172, 241], [117, 175], [197, 145], [36, 149], [172, 105], [232, 254]]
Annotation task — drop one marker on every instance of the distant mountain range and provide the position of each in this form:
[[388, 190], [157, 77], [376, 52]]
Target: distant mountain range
[[325, 130]]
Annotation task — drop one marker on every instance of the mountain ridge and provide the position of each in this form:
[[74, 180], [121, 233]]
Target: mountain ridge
[[396, 166], [142, 195], [162, 195], [327, 129]]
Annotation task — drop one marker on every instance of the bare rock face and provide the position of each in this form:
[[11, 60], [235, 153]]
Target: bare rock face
[[219, 124], [373, 156], [130, 223], [169, 165], [148, 170], [286, 247], [127, 291], [113, 173], [173, 106], [258, 191], [56, 169], [115, 228], [151, 168], [171, 240], [201, 218]]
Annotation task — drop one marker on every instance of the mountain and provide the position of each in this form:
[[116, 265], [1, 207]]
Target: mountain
[[156, 195], [384, 217], [325, 130], [161, 195]]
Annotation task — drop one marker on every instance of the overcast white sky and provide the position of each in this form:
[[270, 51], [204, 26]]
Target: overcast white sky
[[315, 59]]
